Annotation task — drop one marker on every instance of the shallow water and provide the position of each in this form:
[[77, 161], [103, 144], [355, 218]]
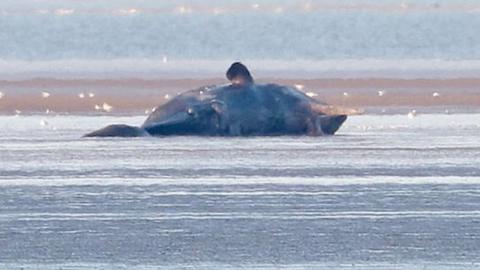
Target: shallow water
[[385, 192]]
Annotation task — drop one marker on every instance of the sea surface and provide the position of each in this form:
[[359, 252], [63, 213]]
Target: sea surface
[[386, 192], [147, 38]]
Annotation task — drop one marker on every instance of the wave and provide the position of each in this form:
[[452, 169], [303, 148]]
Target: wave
[[247, 181]]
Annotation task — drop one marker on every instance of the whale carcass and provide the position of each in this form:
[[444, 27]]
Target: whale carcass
[[240, 108]]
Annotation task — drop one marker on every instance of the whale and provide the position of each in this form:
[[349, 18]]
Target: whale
[[238, 108]]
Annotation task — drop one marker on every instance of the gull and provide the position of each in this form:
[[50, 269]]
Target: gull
[[381, 93], [63, 11], [167, 96], [412, 114], [97, 108], [184, 9], [132, 11], [47, 111], [1, 95], [345, 94], [45, 94], [311, 94], [299, 86], [164, 59], [17, 112], [43, 123], [107, 107], [81, 95], [91, 95], [436, 94], [147, 111]]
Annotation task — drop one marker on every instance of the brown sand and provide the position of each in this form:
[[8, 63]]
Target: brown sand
[[137, 95]]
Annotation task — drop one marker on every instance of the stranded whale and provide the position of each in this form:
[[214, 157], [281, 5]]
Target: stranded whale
[[242, 108]]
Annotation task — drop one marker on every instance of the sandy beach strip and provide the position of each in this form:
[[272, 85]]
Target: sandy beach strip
[[141, 95]]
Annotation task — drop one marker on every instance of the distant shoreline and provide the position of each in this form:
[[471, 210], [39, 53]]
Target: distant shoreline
[[376, 95]]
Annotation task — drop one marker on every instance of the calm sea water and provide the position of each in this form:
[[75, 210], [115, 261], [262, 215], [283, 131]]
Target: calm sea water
[[222, 30], [61, 38], [386, 192]]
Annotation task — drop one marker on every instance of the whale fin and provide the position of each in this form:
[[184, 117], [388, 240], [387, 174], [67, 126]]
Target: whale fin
[[238, 74], [328, 124], [118, 131]]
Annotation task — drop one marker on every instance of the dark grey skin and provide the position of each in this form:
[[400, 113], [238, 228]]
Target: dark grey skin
[[241, 108]]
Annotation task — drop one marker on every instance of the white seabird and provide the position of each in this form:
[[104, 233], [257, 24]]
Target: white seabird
[[44, 123], [412, 114], [107, 107]]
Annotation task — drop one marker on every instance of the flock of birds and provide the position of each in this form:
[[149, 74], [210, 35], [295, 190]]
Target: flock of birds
[[411, 114], [105, 107]]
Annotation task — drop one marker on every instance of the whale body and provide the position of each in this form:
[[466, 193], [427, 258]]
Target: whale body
[[241, 108]]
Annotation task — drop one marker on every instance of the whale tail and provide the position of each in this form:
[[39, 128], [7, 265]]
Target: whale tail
[[118, 131]]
